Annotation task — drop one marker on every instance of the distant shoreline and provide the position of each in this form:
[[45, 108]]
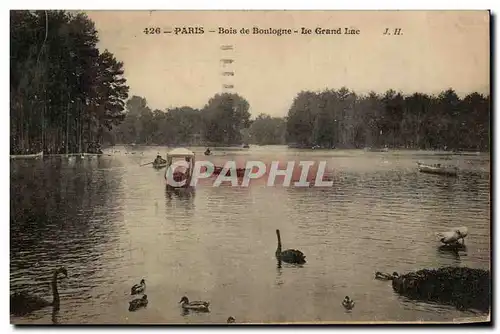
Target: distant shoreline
[[305, 148]]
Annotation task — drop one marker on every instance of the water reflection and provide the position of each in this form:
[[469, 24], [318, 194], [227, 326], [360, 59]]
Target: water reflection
[[180, 198], [454, 252], [279, 273], [184, 312], [55, 316], [112, 222], [59, 217], [180, 193]]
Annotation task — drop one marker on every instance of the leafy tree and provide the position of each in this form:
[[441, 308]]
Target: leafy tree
[[63, 90], [224, 116], [267, 130], [301, 119], [346, 120]]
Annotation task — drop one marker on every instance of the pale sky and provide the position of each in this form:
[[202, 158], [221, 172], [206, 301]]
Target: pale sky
[[437, 50]]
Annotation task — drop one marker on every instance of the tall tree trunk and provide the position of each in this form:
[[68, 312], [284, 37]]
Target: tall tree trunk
[[67, 125]]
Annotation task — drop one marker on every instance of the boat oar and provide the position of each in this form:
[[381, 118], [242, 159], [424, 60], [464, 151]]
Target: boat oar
[[149, 163]]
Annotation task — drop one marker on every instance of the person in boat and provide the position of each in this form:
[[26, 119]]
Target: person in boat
[[159, 159]]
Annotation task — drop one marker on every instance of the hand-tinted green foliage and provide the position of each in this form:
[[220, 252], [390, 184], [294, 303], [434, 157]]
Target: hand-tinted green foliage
[[64, 92], [345, 120]]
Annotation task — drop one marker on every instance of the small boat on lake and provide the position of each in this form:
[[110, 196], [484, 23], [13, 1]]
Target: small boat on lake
[[179, 173], [27, 156], [240, 172], [372, 149], [437, 169], [160, 164]]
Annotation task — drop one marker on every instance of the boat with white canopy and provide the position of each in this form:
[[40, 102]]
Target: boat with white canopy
[[179, 170]]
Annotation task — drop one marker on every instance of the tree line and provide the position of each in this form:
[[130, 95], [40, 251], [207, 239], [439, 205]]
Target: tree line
[[220, 122], [64, 92], [223, 121], [329, 119], [67, 96], [343, 119]]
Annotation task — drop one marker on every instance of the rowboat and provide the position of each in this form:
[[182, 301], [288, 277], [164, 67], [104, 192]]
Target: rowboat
[[374, 149], [27, 156], [160, 165], [240, 172], [179, 179], [437, 169]]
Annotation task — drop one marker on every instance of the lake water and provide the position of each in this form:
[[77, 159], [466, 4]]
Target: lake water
[[111, 222]]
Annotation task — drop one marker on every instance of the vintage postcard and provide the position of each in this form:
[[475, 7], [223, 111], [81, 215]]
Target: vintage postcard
[[249, 167]]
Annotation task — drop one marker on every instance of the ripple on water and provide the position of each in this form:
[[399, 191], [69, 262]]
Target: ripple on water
[[111, 223]]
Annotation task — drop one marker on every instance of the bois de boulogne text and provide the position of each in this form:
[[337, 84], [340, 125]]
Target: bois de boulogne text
[[197, 30]]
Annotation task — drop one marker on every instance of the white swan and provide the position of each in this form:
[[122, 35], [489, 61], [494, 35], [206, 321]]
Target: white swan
[[452, 237]]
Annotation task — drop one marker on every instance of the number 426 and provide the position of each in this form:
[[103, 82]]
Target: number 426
[[152, 30]]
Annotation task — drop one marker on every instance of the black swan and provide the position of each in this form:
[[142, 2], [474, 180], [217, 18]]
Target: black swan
[[22, 303], [289, 255], [138, 288], [136, 304]]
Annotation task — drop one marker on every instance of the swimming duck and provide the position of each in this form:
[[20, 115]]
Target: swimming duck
[[289, 255], [136, 304], [138, 288], [231, 320], [348, 303], [383, 276], [200, 306]]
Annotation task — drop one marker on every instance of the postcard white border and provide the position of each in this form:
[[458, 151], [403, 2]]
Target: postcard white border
[[191, 4]]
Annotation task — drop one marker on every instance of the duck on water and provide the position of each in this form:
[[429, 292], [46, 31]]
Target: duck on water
[[348, 303], [198, 305], [22, 303], [138, 288], [138, 303], [290, 255], [385, 277]]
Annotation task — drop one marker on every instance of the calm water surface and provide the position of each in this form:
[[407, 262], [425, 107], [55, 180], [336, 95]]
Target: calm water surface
[[111, 222]]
